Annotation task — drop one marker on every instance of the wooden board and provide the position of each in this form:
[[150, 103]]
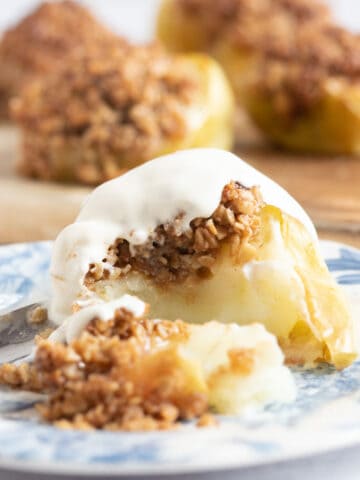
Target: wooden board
[[328, 188], [32, 210]]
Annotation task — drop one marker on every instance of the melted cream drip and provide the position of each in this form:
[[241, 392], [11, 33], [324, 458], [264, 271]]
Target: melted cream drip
[[133, 205]]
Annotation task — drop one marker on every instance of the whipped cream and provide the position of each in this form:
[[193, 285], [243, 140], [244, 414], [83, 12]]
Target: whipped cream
[[133, 205]]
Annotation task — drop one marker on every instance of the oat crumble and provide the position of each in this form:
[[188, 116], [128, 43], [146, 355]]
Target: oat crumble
[[40, 42], [108, 109], [171, 256], [121, 374], [261, 25], [299, 46]]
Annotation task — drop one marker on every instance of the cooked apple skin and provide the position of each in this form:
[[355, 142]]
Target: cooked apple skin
[[331, 126], [178, 31], [217, 107]]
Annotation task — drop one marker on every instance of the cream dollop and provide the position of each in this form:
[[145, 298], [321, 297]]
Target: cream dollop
[[72, 327], [133, 205]]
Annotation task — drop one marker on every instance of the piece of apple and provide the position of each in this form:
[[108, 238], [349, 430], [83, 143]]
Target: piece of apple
[[331, 125], [211, 116]]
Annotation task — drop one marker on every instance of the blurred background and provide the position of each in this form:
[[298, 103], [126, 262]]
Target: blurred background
[[135, 18], [328, 186]]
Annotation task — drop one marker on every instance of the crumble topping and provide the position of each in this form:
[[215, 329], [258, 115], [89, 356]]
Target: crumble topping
[[300, 46], [128, 372], [295, 79], [171, 256], [262, 25], [108, 109], [41, 41], [37, 315], [121, 374]]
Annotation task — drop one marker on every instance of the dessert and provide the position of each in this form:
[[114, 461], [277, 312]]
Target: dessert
[[120, 370], [40, 43], [111, 108], [201, 235], [291, 66]]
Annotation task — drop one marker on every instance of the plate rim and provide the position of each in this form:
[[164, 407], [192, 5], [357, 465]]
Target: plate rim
[[118, 471]]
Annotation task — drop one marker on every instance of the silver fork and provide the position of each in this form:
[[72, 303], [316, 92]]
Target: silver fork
[[17, 334], [16, 345]]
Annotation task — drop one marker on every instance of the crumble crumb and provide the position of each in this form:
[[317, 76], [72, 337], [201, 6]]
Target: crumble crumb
[[295, 82], [37, 315], [19, 376], [170, 256]]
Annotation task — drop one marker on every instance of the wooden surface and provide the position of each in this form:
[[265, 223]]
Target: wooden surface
[[328, 188], [31, 210]]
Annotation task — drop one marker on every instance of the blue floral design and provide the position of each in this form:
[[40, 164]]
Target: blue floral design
[[24, 272], [278, 432], [348, 260]]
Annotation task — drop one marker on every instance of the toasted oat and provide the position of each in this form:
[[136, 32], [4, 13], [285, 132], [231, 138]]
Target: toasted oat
[[122, 374], [109, 108], [170, 256], [19, 376], [262, 25], [296, 82]]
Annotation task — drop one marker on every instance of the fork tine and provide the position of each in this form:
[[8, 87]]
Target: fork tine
[[17, 333]]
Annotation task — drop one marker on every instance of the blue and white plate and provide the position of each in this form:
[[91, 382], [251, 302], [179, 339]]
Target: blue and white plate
[[325, 416]]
